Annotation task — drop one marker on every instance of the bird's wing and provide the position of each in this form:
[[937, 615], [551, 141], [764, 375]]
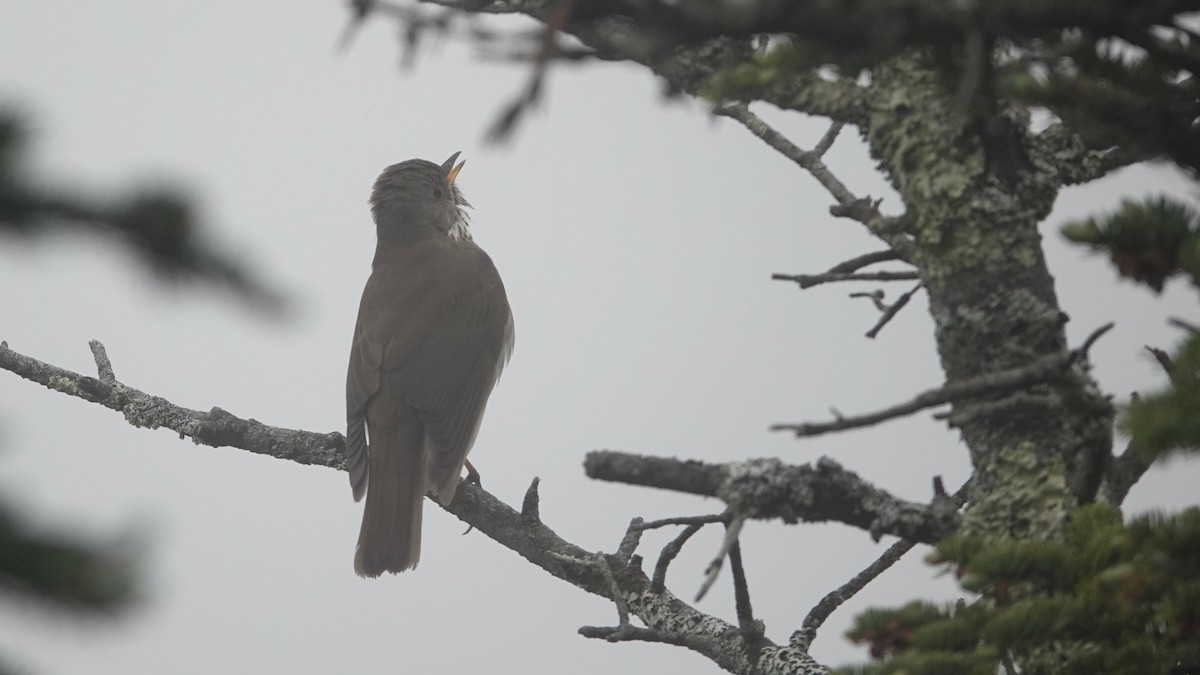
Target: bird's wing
[[447, 362], [362, 381]]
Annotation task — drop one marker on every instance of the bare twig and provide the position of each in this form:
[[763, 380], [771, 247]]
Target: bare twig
[[1019, 403], [827, 140], [103, 366], [811, 161], [893, 309], [751, 630], [1043, 369], [836, 598], [810, 280], [714, 568], [531, 504], [876, 298], [808, 159], [685, 520], [858, 262], [629, 543], [359, 9], [560, 13], [1164, 360], [672, 549], [1185, 325]]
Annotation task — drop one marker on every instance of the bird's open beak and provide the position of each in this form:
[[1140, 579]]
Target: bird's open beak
[[452, 169]]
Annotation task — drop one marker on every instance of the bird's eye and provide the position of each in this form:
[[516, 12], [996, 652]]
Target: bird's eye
[[439, 194]]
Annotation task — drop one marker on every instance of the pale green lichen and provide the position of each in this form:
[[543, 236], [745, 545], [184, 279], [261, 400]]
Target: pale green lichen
[[64, 384], [761, 486], [1021, 492]]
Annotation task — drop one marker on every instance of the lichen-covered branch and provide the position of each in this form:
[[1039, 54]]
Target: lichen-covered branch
[[768, 488], [666, 617], [216, 427]]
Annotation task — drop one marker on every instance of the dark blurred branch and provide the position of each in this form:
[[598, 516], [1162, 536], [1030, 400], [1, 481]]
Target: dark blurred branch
[[686, 68], [1123, 472], [64, 571], [159, 225]]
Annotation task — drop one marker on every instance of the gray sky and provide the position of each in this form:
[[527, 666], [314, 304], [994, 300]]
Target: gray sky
[[636, 237]]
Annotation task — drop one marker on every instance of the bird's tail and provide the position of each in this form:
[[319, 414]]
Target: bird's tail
[[390, 538]]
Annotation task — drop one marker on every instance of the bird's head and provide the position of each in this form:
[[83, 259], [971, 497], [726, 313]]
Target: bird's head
[[416, 199]]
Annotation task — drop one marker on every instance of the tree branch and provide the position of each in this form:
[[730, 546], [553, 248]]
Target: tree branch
[[810, 160], [858, 262], [732, 531], [884, 24], [892, 310], [768, 488], [215, 428], [810, 280], [672, 549], [666, 616], [1122, 473], [1075, 163], [1045, 369], [836, 598]]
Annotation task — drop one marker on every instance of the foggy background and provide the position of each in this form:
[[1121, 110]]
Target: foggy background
[[636, 237]]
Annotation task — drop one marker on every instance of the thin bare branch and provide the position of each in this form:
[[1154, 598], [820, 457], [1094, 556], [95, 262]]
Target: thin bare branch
[[1164, 360], [876, 297], [1185, 325], [559, 14], [810, 280], [629, 543], [836, 598], [893, 309], [858, 262], [685, 520], [827, 140], [672, 549], [103, 366], [1044, 369], [752, 630], [714, 568], [531, 504], [1013, 405], [810, 160]]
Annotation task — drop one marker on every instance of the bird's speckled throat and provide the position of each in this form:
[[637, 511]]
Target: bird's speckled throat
[[461, 229]]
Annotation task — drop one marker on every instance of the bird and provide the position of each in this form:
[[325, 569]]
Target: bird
[[433, 334]]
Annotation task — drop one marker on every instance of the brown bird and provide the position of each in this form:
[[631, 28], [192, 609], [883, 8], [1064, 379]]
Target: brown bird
[[434, 331]]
